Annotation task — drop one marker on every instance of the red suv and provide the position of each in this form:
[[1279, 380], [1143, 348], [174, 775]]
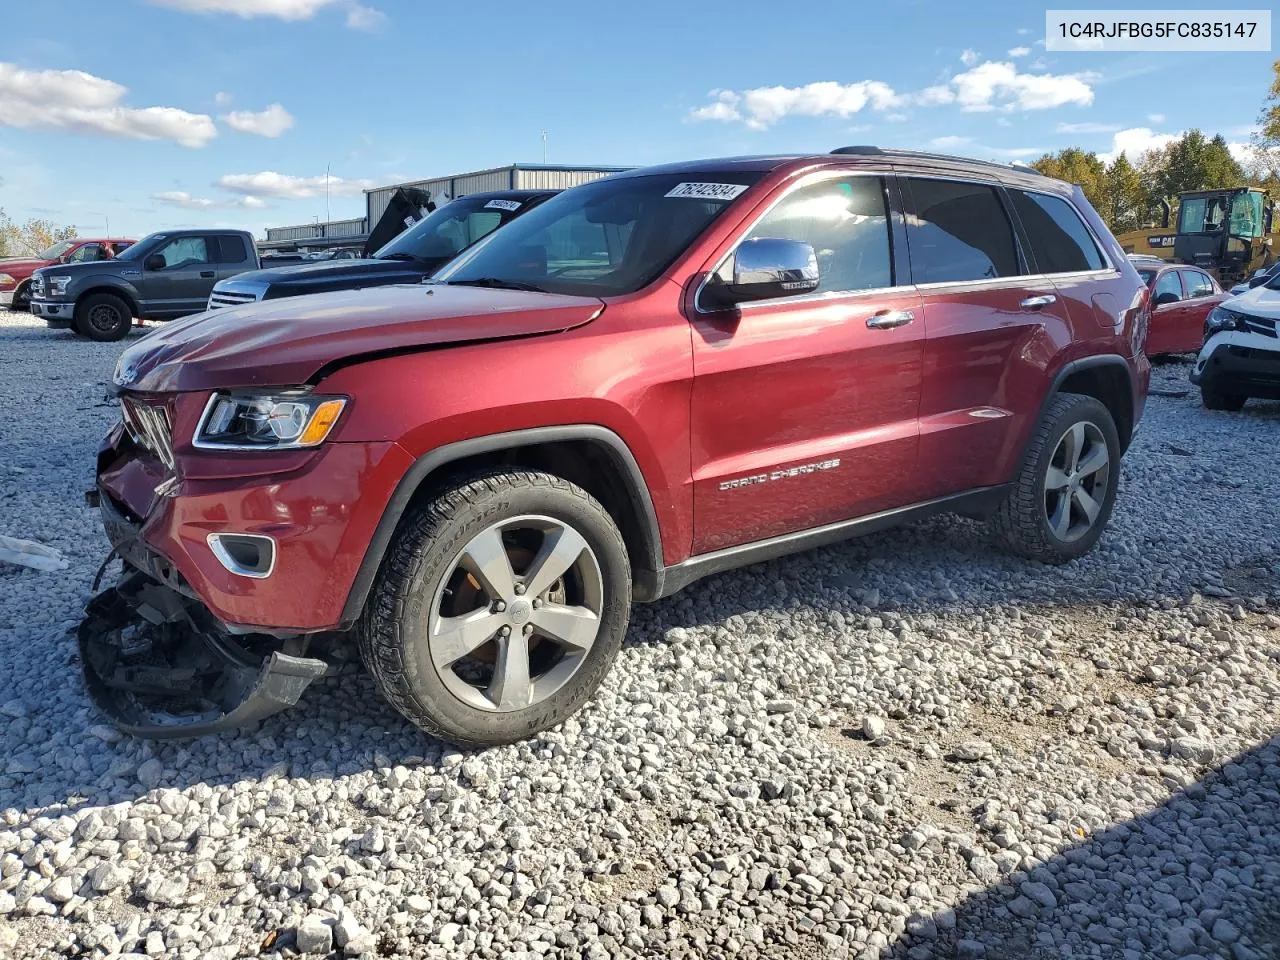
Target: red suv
[[648, 379]]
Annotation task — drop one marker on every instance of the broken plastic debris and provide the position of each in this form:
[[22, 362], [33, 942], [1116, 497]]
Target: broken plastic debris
[[28, 553]]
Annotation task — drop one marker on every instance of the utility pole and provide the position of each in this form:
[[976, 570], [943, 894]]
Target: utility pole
[[544, 146], [326, 193]]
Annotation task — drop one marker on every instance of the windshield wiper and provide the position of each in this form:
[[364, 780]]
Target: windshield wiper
[[398, 256], [497, 283]]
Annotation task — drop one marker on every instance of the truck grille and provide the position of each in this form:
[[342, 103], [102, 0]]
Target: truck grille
[[149, 427], [1263, 325], [227, 298]]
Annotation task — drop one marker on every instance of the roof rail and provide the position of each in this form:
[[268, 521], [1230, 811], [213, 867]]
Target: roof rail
[[871, 151]]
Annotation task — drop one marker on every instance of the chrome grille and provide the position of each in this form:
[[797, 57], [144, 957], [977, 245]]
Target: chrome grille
[[1263, 325], [227, 298], [149, 427]]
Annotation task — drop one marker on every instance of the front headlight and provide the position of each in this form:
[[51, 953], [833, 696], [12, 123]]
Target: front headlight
[[283, 421], [6, 280], [1220, 318], [58, 285]]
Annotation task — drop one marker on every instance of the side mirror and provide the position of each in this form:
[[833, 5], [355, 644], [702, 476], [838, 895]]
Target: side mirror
[[1165, 298], [766, 268], [1258, 279], [155, 261]]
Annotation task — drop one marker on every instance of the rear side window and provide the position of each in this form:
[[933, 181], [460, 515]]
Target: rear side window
[[1060, 241], [1198, 284], [958, 231], [847, 224], [230, 249]]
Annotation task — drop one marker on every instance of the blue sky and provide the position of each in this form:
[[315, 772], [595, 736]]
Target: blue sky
[[160, 113]]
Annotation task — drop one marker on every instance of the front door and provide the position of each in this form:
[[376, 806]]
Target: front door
[[804, 409], [1168, 307], [181, 286]]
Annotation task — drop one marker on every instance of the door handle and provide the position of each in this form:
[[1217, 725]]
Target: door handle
[[1035, 303], [206, 274], [888, 319]]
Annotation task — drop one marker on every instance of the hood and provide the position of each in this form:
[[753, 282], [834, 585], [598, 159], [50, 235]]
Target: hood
[[22, 268], [90, 266], [286, 342], [329, 274], [1260, 301]]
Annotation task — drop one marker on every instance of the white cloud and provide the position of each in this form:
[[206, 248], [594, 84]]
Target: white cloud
[[283, 9], [992, 86], [222, 98], [1135, 141], [365, 18], [79, 101], [985, 87], [1156, 117], [950, 142], [180, 198], [1020, 52], [268, 183], [764, 106], [270, 122], [969, 57], [1087, 127]]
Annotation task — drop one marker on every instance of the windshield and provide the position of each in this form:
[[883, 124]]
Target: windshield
[[57, 250], [609, 237], [1202, 214], [1246, 215], [139, 250], [449, 230]]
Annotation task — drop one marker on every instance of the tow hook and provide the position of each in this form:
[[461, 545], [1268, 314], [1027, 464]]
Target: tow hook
[[158, 666]]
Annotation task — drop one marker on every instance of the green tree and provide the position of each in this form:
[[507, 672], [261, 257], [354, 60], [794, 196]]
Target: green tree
[[1126, 199], [1194, 162], [1266, 141], [29, 238], [1080, 167]]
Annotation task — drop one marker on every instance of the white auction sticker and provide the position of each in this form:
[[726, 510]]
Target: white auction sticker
[[502, 205], [707, 191]]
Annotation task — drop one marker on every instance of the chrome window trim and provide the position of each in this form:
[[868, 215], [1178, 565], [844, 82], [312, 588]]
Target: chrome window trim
[[819, 176], [214, 540], [819, 298]]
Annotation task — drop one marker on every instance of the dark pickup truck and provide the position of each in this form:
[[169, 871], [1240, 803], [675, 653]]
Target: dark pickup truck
[[412, 256], [162, 277]]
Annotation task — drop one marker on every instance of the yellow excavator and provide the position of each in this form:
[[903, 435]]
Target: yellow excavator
[[1228, 232]]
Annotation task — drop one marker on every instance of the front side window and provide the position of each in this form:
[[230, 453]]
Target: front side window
[[1060, 241], [846, 221], [84, 253], [1168, 287], [1197, 284], [958, 231], [610, 237], [183, 251]]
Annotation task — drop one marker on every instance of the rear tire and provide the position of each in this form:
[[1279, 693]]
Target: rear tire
[[472, 630], [103, 317], [1065, 490], [1214, 400]]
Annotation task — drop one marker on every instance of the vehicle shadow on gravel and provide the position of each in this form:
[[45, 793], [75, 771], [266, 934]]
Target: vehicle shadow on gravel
[[1198, 876]]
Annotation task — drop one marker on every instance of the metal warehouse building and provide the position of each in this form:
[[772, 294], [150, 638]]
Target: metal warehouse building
[[316, 236], [518, 176]]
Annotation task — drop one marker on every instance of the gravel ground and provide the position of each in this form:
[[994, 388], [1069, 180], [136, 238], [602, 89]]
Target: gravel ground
[[907, 746]]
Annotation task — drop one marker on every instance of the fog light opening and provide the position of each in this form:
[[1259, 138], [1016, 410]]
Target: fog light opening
[[245, 554]]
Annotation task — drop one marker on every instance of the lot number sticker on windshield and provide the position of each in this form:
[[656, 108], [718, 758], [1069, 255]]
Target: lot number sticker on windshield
[[502, 205], [707, 191]]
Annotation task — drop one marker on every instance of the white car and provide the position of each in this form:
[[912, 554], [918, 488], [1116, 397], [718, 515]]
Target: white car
[[1260, 276], [1241, 353]]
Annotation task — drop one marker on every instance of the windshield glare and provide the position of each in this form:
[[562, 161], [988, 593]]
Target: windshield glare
[[56, 251], [609, 237], [450, 229]]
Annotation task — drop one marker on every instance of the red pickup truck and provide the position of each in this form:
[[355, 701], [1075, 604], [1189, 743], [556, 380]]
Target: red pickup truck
[[15, 274]]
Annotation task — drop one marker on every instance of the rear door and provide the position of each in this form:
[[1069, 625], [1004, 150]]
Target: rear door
[[1200, 295], [182, 285], [805, 408], [990, 326]]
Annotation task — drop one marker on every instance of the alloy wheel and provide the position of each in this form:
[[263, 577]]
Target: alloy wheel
[[517, 613], [1075, 485], [104, 317]]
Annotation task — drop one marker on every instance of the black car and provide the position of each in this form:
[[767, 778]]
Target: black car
[[411, 257]]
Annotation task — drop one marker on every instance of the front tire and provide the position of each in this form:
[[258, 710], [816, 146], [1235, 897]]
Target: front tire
[[1214, 400], [499, 608], [103, 317], [21, 299], [1064, 493]]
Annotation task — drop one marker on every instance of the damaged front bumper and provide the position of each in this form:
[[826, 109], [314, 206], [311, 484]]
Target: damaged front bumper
[[158, 666]]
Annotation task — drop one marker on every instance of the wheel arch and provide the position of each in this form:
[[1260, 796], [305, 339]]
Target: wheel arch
[[1107, 378], [591, 456], [116, 291]]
